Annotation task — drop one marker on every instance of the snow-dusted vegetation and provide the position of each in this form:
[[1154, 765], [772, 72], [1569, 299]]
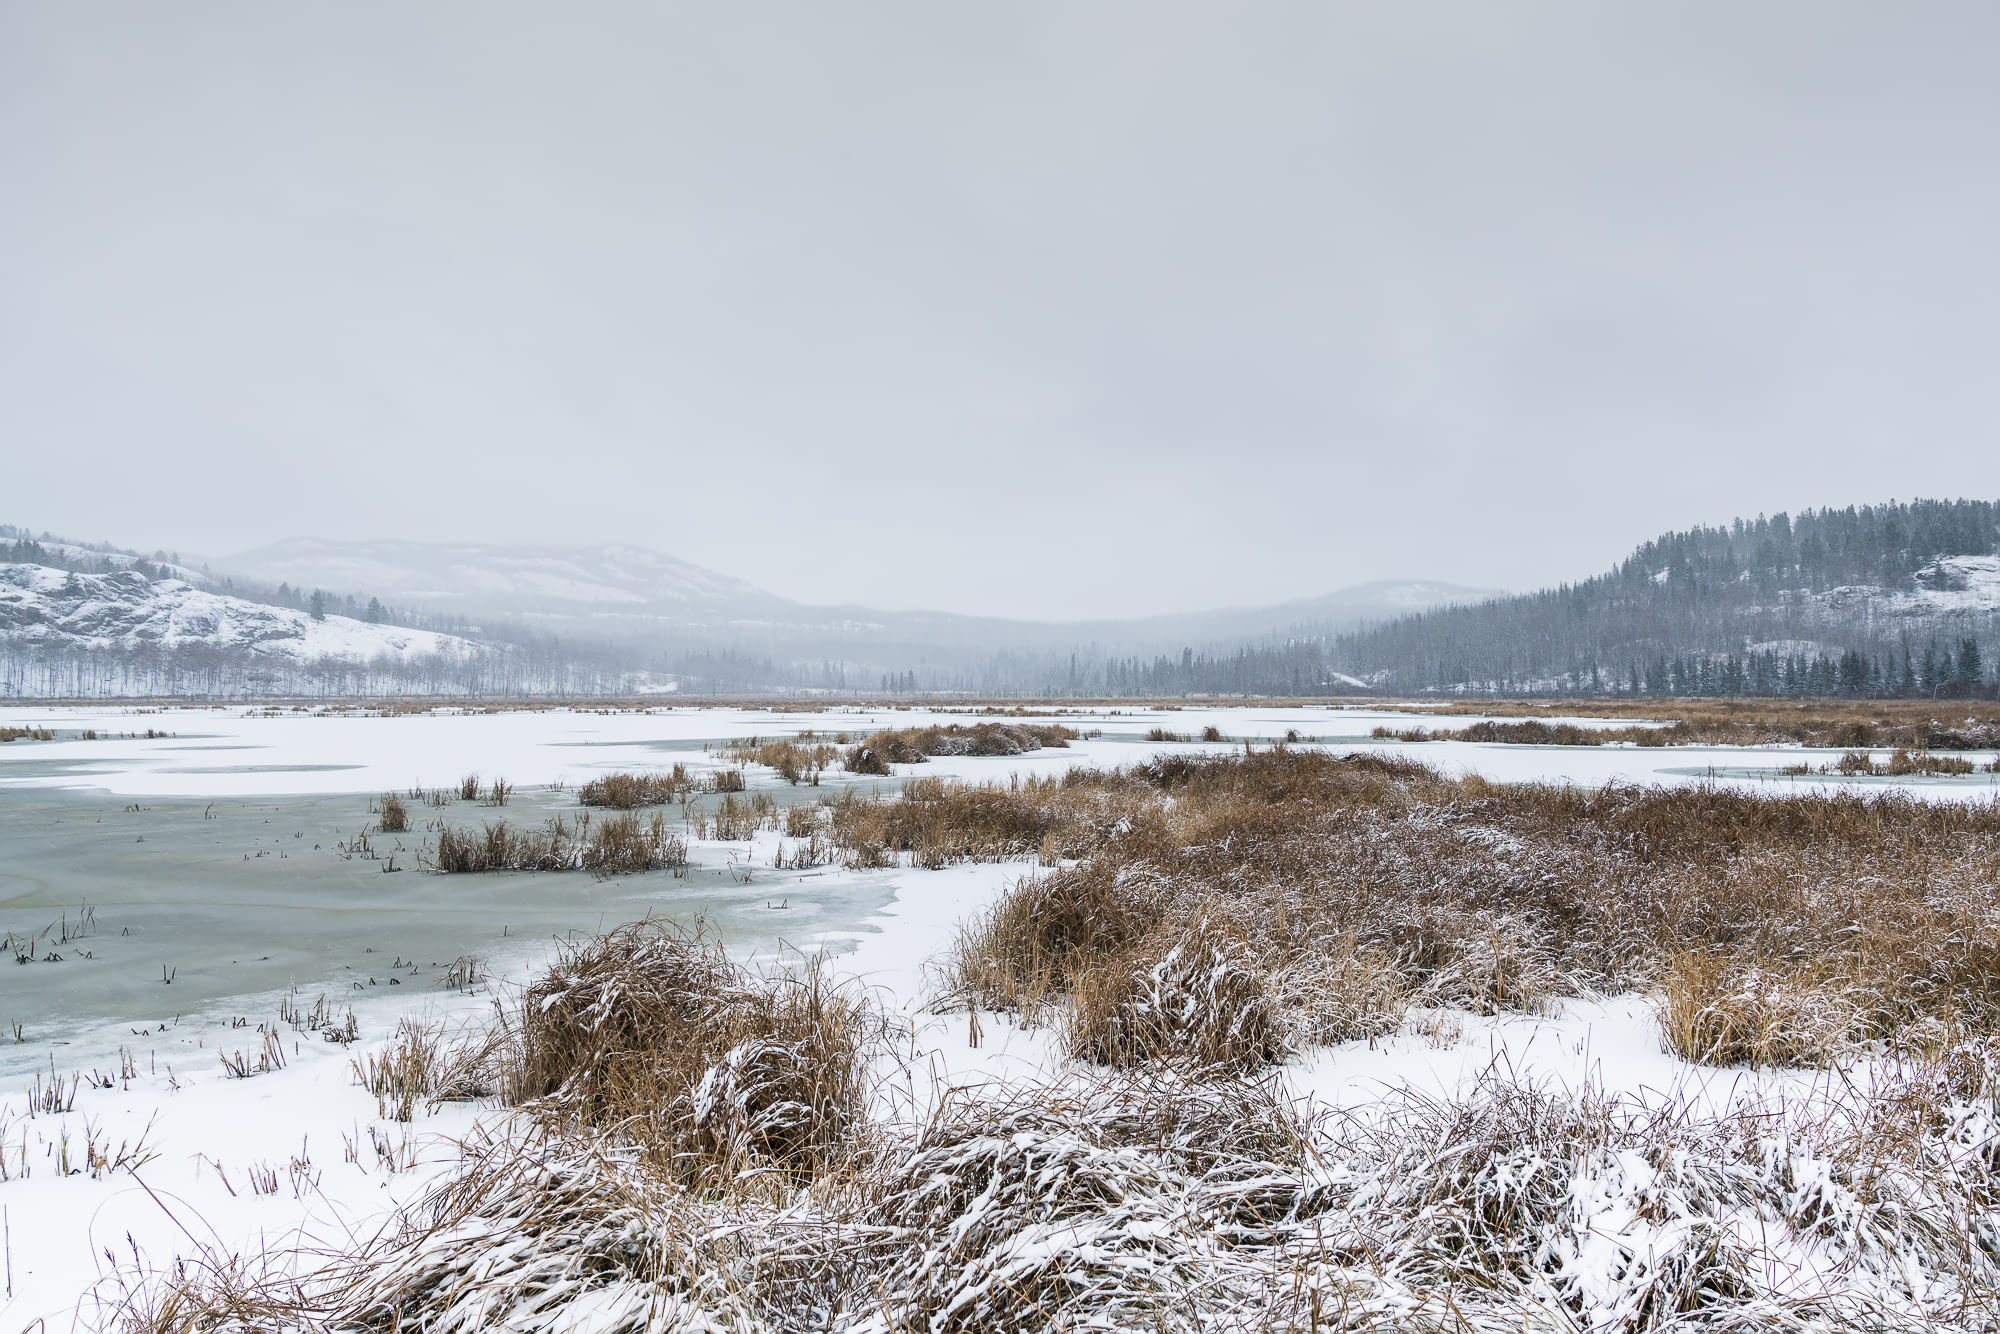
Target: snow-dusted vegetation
[[1157, 1035]]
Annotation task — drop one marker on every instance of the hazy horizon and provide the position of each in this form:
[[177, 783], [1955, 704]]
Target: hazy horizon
[[1033, 311]]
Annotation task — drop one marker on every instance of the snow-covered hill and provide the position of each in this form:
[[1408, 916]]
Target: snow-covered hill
[[467, 578], [44, 608]]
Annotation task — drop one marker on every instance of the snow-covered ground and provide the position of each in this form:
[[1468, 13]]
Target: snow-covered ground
[[334, 1168]]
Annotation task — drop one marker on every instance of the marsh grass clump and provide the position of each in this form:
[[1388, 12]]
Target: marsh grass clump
[[30, 734], [618, 845], [704, 1065], [1073, 1204], [1162, 734], [624, 791], [796, 761], [1902, 763], [468, 788], [395, 816], [916, 745], [1719, 1010], [626, 844]]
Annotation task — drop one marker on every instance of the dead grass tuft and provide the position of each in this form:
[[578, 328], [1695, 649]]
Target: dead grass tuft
[[708, 1068]]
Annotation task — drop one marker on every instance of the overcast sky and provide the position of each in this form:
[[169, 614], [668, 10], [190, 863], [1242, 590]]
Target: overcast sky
[[1036, 309]]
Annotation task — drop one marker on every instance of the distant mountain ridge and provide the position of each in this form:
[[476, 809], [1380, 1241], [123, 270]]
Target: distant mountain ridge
[[625, 592]]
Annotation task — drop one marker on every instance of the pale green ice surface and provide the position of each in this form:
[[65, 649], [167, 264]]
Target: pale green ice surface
[[245, 897]]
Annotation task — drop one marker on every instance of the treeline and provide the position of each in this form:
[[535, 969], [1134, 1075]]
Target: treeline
[[202, 671]]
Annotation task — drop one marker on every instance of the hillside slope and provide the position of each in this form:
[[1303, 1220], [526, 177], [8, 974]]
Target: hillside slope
[[49, 608], [68, 634], [1879, 599]]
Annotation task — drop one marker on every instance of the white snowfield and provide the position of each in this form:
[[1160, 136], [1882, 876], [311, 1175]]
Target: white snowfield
[[72, 551], [342, 748], [302, 1156], [49, 608], [1955, 584]]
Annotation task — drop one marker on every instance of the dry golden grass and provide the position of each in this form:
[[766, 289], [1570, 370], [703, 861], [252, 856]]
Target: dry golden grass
[[935, 823], [616, 845], [795, 761], [1915, 724], [1356, 886], [917, 744], [1196, 1000], [395, 816], [624, 791]]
